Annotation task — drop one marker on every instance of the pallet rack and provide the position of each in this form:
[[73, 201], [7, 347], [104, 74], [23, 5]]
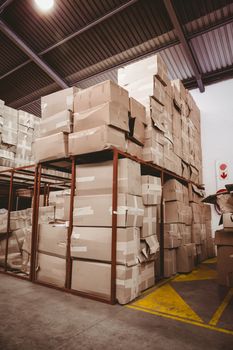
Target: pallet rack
[[68, 165]]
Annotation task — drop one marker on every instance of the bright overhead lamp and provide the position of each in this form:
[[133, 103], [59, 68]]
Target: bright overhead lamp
[[44, 5]]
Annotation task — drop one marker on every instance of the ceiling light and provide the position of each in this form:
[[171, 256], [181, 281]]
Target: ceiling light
[[44, 5]]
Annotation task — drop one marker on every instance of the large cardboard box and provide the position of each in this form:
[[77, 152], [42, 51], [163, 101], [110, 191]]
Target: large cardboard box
[[157, 114], [225, 265], [53, 239], [159, 91], [172, 235], [224, 237], [57, 102], [195, 194], [96, 95], [185, 258], [149, 246], [196, 212], [149, 226], [51, 269], [97, 210], [110, 113], [151, 190], [146, 275], [97, 178], [96, 139], [227, 220], [137, 110], [174, 212], [186, 234], [95, 278], [51, 147], [59, 122], [196, 233], [3, 220], [95, 243], [210, 248], [173, 191], [170, 267], [137, 129], [26, 119], [133, 149]]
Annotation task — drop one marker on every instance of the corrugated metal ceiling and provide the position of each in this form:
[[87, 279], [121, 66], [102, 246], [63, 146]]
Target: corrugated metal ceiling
[[137, 31]]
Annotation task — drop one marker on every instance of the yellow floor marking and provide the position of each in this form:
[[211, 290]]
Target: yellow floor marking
[[210, 261], [166, 300], [222, 330], [201, 273], [218, 313]]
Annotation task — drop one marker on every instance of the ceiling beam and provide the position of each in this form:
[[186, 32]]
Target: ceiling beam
[[184, 42], [5, 5], [34, 57]]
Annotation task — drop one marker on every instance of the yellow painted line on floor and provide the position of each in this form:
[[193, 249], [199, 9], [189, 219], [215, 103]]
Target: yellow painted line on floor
[[167, 301], [218, 313], [203, 325], [210, 261], [200, 274]]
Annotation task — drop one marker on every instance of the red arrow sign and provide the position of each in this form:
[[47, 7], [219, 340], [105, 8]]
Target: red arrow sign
[[223, 175]]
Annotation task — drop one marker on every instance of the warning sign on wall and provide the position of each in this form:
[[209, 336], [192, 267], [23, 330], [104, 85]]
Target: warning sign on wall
[[224, 173]]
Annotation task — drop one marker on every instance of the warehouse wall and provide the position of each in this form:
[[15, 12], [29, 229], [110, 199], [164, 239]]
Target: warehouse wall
[[216, 106]]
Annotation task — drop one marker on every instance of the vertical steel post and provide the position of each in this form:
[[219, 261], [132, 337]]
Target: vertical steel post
[[162, 230], [114, 225], [70, 228], [45, 194], [10, 197], [35, 217]]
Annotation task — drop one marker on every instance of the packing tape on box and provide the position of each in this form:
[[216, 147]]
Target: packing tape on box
[[83, 211], [85, 179], [78, 249], [75, 235], [150, 188], [61, 244], [80, 134], [149, 220], [70, 101]]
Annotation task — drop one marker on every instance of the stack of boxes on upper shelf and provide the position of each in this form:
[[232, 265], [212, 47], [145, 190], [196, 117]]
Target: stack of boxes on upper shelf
[[18, 129], [187, 231], [91, 239]]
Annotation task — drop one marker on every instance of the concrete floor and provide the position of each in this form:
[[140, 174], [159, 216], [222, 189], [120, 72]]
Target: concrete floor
[[34, 317]]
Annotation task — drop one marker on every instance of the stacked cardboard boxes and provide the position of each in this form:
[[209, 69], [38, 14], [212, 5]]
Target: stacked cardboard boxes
[[224, 242], [17, 132]]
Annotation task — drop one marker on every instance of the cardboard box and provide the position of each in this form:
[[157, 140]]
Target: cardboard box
[[225, 265], [185, 258], [96, 139], [179, 85], [174, 212], [151, 190], [106, 91], [227, 220], [110, 113], [51, 147], [169, 262], [211, 248], [59, 122], [224, 237], [3, 220], [133, 149], [194, 174], [149, 226], [188, 214], [195, 194], [26, 119], [173, 191], [137, 110], [95, 243], [57, 102], [138, 130], [97, 210], [97, 178], [157, 114], [94, 278], [51, 269], [146, 275], [159, 91], [172, 236], [45, 214], [196, 210], [53, 239], [149, 246], [196, 233], [186, 235]]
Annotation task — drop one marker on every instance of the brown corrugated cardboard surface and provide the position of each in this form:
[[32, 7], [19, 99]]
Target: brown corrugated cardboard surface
[[94, 278], [149, 226], [225, 265], [174, 212], [137, 110], [151, 190], [138, 131], [95, 243], [146, 275], [133, 149], [57, 102], [98, 94], [97, 210], [110, 113], [173, 191], [172, 235], [51, 269], [51, 147], [149, 246], [196, 212], [224, 237], [159, 91], [227, 219], [185, 258], [96, 139], [97, 178], [53, 239], [169, 262], [59, 122]]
